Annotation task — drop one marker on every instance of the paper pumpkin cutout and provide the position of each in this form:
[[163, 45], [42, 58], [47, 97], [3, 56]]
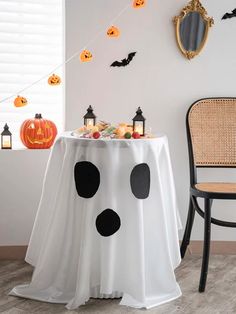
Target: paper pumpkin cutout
[[87, 179], [124, 62], [113, 31], [139, 3], [20, 101], [38, 132], [108, 222], [140, 181], [54, 80], [86, 56]]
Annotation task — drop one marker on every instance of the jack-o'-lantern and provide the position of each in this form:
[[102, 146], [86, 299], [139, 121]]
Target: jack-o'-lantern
[[86, 56], [38, 133], [113, 32], [54, 80], [20, 101], [138, 3]]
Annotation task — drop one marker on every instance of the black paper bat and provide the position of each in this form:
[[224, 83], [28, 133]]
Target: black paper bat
[[124, 62], [229, 15]]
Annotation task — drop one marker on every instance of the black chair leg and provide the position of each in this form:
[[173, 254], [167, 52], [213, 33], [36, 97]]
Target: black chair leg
[[188, 228], [206, 247]]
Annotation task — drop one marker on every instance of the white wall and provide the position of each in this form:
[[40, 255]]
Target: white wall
[[159, 79], [21, 177]]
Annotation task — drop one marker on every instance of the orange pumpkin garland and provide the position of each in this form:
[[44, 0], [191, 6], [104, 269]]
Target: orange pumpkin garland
[[38, 133], [54, 80], [86, 56], [113, 31], [20, 101], [139, 3]]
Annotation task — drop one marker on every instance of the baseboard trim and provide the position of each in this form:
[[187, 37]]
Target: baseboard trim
[[12, 252], [195, 247], [217, 247]]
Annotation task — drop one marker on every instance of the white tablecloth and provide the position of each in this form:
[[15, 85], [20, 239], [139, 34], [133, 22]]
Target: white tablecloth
[[101, 230]]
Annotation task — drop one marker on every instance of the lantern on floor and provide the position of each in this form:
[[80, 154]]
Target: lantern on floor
[[139, 122], [6, 140], [89, 118]]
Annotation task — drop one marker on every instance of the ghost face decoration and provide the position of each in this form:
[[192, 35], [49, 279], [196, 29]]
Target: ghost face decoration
[[87, 182]]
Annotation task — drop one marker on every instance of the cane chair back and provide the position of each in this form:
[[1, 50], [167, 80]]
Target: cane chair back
[[212, 127]]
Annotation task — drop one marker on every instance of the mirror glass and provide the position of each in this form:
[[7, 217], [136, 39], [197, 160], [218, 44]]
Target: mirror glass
[[192, 31]]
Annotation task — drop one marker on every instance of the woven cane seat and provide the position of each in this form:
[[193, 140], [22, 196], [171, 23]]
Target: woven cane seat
[[216, 187]]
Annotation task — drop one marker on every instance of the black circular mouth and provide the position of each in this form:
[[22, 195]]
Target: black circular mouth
[[108, 222]]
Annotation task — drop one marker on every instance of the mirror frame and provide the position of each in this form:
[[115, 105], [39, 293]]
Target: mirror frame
[[192, 6]]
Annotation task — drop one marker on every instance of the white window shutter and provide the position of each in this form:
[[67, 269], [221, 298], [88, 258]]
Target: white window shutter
[[31, 45]]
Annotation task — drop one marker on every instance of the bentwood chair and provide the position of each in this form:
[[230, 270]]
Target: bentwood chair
[[211, 135]]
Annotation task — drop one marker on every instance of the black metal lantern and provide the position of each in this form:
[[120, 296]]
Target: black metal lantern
[[139, 122], [89, 118], [6, 140]]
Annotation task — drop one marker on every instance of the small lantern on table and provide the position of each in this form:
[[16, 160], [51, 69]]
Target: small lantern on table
[[139, 122], [6, 139], [89, 118]]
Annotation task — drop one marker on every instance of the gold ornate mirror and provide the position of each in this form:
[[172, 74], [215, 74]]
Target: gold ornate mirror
[[192, 27]]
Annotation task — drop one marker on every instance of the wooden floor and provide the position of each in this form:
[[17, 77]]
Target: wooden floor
[[220, 296]]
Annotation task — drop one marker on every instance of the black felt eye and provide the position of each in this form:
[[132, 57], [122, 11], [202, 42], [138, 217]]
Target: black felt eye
[[87, 179], [108, 222], [140, 181]]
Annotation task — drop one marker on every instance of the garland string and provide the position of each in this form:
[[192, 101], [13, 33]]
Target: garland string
[[77, 53]]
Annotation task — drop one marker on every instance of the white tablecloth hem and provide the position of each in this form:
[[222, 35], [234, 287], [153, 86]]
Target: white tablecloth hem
[[127, 300]]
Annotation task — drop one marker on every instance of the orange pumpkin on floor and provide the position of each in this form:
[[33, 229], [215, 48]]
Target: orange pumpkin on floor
[[38, 133]]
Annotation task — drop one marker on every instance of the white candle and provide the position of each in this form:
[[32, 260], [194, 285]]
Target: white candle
[[89, 123], [6, 141], [139, 128]]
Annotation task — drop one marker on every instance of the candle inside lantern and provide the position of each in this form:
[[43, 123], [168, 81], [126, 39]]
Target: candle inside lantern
[[90, 123], [138, 128], [6, 141]]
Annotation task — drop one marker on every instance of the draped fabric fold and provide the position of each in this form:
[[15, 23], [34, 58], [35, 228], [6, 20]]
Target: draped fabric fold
[[73, 261]]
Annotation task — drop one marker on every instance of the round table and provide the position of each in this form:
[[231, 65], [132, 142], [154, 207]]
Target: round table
[[107, 224]]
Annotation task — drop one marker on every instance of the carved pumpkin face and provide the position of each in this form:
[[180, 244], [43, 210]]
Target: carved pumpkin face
[[54, 80], [38, 133], [86, 56], [138, 3], [20, 101], [113, 32]]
